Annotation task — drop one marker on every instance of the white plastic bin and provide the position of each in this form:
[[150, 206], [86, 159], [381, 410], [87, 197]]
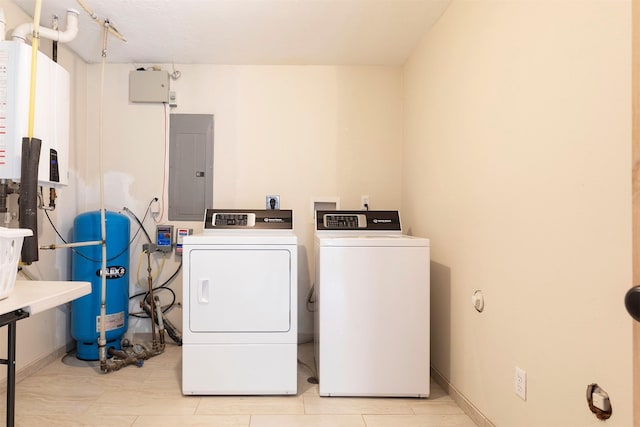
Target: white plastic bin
[[10, 247]]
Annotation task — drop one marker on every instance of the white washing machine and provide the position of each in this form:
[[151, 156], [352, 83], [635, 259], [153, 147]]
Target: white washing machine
[[240, 304], [372, 306]]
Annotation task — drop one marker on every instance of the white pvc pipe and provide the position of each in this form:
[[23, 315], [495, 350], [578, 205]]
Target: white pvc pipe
[[102, 341], [71, 245], [22, 31]]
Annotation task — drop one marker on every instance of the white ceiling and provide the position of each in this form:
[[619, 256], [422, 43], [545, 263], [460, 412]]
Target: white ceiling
[[319, 32]]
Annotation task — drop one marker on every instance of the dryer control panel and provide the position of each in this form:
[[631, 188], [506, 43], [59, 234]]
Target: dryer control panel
[[358, 220], [238, 219], [234, 219]]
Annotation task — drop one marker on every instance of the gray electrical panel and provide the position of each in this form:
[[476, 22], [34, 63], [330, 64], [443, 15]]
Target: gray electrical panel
[[190, 166], [149, 86]]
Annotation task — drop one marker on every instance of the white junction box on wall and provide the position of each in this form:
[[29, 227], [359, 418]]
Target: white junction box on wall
[[149, 86], [51, 118]]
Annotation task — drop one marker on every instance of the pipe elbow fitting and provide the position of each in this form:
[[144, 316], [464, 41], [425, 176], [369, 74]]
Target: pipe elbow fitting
[[72, 27], [23, 30]]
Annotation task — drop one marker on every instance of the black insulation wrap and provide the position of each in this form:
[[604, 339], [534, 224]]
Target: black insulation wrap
[[29, 197]]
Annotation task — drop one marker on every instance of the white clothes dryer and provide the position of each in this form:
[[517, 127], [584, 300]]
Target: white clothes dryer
[[372, 306], [240, 304]]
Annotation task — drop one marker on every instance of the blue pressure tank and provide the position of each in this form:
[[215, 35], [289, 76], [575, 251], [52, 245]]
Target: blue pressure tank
[[87, 267]]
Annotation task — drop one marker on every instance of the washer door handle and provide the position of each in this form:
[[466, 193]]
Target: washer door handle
[[203, 291]]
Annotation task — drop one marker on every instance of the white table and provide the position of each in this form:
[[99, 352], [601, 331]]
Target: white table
[[28, 298]]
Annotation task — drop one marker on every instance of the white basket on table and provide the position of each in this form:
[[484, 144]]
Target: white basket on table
[[10, 247]]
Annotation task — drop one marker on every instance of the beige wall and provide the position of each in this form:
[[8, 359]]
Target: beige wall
[[515, 163], [297, 131], [517, 166]]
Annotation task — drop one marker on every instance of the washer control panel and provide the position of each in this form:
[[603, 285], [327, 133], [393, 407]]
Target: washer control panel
[[344, 221], [358, 220]]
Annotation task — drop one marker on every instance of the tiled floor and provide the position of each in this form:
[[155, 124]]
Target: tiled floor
[[70, 392]]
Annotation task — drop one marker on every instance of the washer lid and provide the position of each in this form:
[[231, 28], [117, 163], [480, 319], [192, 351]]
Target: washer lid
[[370, 240]]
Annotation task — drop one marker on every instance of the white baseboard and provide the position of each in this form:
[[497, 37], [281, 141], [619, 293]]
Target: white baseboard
[[464, 403]]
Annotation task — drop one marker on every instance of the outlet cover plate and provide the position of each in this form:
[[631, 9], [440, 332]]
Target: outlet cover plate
[[273, 202]]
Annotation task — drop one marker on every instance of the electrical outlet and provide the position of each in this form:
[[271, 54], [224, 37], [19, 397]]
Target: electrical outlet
[[364, 203], [273, 202], [521, 383], [155, 207], [601, 400]]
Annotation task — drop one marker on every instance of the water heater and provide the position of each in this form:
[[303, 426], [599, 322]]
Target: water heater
[[51, 119]]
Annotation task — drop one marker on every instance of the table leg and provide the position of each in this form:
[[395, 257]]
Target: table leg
[[11, 374], [9, 320]]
